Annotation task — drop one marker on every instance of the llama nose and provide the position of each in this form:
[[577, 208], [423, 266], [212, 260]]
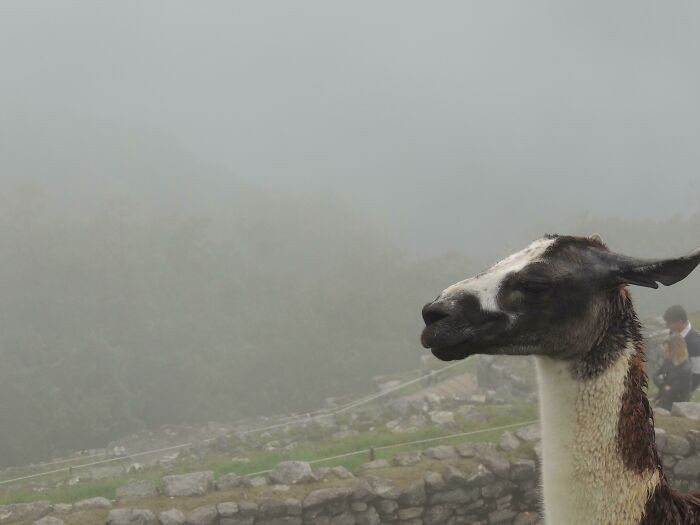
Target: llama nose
[[433, 312]]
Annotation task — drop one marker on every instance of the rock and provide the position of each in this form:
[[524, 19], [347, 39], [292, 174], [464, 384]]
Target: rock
[[137, 489], [134, 467], [466, 450], [694, 440], [687, 468], [292, 472], [227, 509], [358, 506], [493, 490], [677, 446], [242, 513], [293, 506], [410, 513], [383, 488], [434, 482], [690, 409], [523, 469], [62, 508], [272, 508], [529, 433], [668, 460], [321, 497], [346, 518], [286, 520], [131, 517], [386, 507], [49, 520], [227, 482], [442, 417], [658, 411], [441, 452], [526, 518], [92, 504], [417, 420], [406, 459], [369, 517], [458, 496], [183, 485], [255, 481], [413, 495], [508, 441], [321, 472], [497, 464], [481, 477], [436, 514], [362, 491], [205, 515], [23, 511], [238, 520], [247, 508], [501, 516], [377, 463], [660, 437], [454, 477], [341, 472], [172, 517], [432, 399]]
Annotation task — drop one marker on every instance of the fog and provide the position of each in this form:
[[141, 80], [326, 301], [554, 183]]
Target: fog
[[211, 210]]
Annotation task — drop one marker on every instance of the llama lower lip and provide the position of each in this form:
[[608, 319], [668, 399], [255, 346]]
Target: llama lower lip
[[451, 353]]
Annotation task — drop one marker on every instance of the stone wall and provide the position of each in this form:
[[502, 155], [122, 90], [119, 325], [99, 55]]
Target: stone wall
[[470, 483]]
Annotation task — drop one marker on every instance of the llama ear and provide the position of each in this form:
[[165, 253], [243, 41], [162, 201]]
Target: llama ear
[[648, 273]]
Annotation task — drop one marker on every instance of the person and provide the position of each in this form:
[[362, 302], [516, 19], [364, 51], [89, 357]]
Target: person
[[677, 322], [674, 377]]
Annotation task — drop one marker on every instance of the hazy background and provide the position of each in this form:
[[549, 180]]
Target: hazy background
[[217, 209]]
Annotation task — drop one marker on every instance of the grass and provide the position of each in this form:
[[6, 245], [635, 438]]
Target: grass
[[676, 425]]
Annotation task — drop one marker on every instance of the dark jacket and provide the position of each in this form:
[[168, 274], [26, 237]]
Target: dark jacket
[[692, 341], [678, 378]]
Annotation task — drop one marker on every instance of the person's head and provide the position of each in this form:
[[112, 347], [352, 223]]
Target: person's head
[[675, 349], [676, 318]]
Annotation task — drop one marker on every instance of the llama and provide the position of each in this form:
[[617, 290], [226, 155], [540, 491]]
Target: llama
[[564, 300]]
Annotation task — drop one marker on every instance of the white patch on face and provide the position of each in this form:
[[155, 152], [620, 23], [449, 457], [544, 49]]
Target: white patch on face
[[486, 285]]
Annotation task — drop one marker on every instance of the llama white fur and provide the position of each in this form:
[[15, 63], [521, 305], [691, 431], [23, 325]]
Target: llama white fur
[[485, 286], [584, 478]]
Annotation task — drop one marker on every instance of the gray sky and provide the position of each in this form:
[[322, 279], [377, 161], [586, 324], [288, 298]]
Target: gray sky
[[457, 122]]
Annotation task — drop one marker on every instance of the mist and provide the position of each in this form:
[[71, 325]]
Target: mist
[[216, 210]]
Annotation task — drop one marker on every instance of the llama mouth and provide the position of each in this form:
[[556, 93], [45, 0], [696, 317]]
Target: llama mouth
[[459, 340], [452, 353]]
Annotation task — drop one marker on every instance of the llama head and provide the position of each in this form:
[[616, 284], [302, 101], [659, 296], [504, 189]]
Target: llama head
[[553, 298]]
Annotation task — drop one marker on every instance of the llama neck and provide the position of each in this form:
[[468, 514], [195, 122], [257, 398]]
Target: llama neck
[[592, 470]]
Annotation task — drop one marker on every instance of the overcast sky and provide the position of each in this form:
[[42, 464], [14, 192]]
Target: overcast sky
[[456, 122]]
